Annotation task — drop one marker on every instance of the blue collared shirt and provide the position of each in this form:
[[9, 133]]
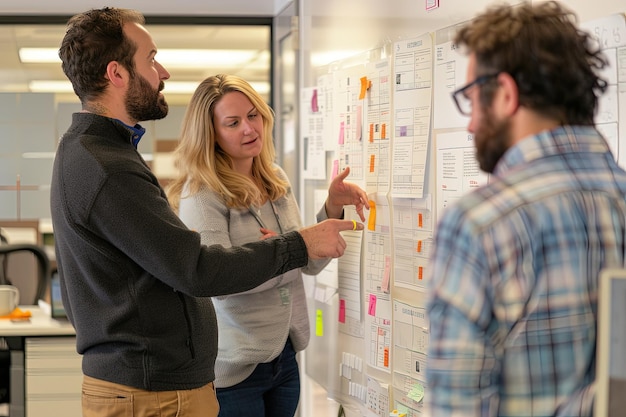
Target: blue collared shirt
[[513, 280], [137, 132]]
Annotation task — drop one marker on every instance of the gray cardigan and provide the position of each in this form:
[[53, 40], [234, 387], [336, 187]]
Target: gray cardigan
[[135, 280], [253, 325]]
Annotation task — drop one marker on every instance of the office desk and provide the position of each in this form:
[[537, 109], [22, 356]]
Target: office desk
[[46, 374]]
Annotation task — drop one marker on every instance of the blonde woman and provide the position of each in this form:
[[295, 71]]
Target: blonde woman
[[231, 192]]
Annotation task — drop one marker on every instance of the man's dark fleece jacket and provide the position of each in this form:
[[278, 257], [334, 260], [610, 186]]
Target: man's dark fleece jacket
[[135, 281]]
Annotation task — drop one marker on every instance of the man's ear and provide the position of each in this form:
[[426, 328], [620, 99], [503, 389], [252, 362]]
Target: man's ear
[[507, 95], [117, 74]]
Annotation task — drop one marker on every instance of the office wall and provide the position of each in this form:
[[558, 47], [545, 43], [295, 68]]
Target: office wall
[[369, 331]]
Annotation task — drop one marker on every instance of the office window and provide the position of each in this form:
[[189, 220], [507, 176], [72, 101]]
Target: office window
[[36, 99]]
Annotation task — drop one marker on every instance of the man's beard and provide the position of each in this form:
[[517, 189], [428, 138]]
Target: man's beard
[[492, 139], [144, 102]]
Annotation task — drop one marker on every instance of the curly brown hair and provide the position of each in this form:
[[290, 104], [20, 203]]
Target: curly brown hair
[[554, 63]]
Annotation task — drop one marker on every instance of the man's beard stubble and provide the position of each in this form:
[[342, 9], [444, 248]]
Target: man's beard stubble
[[492, 139], [144, 102]]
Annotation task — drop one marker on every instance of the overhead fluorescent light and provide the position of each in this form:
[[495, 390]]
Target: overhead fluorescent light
[[174, 58], [38, 155], [171, 87], [202, 58], [39, 55], [49, 86]]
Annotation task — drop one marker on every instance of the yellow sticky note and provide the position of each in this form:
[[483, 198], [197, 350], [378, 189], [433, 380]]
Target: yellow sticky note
[[371, 223], [319, 323]]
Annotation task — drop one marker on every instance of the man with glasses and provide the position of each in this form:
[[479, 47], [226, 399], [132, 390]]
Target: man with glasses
[[514, 274]]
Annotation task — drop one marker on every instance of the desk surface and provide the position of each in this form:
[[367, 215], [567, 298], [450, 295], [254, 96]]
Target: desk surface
[[40, 324]]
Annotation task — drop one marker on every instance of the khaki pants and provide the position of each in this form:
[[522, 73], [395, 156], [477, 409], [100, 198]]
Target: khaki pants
[[106, 399]]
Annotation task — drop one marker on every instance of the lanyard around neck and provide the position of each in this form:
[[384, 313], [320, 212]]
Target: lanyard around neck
[[257, 215]]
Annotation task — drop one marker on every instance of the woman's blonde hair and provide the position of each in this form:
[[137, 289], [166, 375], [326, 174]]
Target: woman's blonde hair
[[200, 160]]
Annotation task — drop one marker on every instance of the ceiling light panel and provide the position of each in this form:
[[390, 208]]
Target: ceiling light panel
[[171, 87], [174, 58]]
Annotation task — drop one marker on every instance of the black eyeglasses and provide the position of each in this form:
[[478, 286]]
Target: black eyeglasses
[[462, 101]]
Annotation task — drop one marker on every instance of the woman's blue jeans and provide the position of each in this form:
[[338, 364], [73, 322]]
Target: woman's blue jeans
[[273, 390]]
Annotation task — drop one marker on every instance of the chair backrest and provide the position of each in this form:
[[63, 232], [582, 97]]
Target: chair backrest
[[28, 268]]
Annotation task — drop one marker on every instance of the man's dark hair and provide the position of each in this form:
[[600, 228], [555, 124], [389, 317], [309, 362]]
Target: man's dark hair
[[91, 41]]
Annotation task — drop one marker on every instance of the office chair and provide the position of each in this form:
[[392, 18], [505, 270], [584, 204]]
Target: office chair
[[27, 267]]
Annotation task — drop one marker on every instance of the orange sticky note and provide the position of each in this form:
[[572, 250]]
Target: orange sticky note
[[386, 358], [419, 246], [420, 220], [365, 85], [420, 273], [383, 131], [371, 140], [372, 160], [17, 314], [371, 223]]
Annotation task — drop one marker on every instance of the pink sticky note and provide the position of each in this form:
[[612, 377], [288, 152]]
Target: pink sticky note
[[372, 305], [314, 106], [385, 282], [359, 123], [342, 311], [335, 169], [342, 128]]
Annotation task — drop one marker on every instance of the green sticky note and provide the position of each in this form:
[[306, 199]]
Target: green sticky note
[[319, 323], [416, 393]]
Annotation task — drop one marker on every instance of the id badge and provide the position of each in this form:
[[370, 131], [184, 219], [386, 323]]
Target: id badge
[[284, 295]]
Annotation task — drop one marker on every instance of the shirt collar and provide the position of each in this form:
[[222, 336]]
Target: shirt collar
[[137, 132], [563, 139]]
